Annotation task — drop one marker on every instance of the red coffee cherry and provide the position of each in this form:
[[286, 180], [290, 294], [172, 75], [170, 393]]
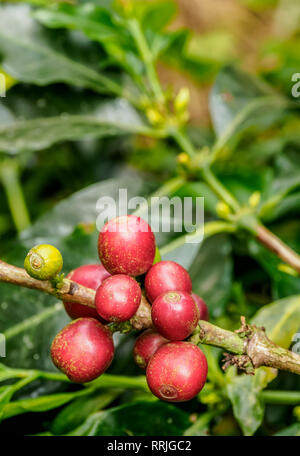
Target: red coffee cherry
[[118, 298], [83, 350], [166, 276], [126, 245], [146, 345], [177, 372], [90, 276], [175, 315], [203, 310]]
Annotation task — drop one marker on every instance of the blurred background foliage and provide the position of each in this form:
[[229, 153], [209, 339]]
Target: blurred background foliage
[[87, 145]]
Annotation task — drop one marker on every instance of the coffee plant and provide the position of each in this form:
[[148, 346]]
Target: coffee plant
[[106, 326]]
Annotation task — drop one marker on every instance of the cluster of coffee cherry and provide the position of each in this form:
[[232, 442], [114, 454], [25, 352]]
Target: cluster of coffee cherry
[[130, 270]]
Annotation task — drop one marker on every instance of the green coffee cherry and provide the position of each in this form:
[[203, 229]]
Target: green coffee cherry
[[43, 262], [157, 257]]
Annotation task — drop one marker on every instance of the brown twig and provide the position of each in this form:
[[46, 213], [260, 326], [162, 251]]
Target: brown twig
[[275, 245], [69, 291], [249, 345], [263, 352]]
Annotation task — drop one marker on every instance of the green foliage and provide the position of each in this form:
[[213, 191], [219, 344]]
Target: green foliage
[[61, 114], [37, 57], [281, 321], [293, 430], [79, 410], [86, 109], [133, 419]]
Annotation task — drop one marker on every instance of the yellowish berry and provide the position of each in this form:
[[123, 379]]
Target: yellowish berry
[[43, 262]]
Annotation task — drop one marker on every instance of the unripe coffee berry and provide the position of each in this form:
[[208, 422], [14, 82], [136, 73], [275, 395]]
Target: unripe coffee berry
[[166, 276], [83, 350], [126, 245], [90, 276], [202, 307], [146, 345], [175, 315], [43, 262], [118, 298], [177, 372]]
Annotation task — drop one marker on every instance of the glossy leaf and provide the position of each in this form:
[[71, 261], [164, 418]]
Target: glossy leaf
[[133, 419], [238, 102], [158, 14], [281, 320], [38, 56], [95, 21], [39, 404], [243, 392], [63, 114], [211, 273], [285, 181], [75, 413], [98, 24], [283, 284]]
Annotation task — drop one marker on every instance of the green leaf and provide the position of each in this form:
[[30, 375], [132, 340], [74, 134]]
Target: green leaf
[[211, 273], [39, 404], [158, 14], [282, 283], [133, 419], [239, 102], [200, 189], [286, 179], [6, 373], [75, 413], [244, 183], [177, 55], [232, 94], [243, 392], [100, 25], [61, 114], [37, 134], [95, 21], [286, 206], [6, 392], [281, 320], [42, 57], [80, 208], [293, 430]]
